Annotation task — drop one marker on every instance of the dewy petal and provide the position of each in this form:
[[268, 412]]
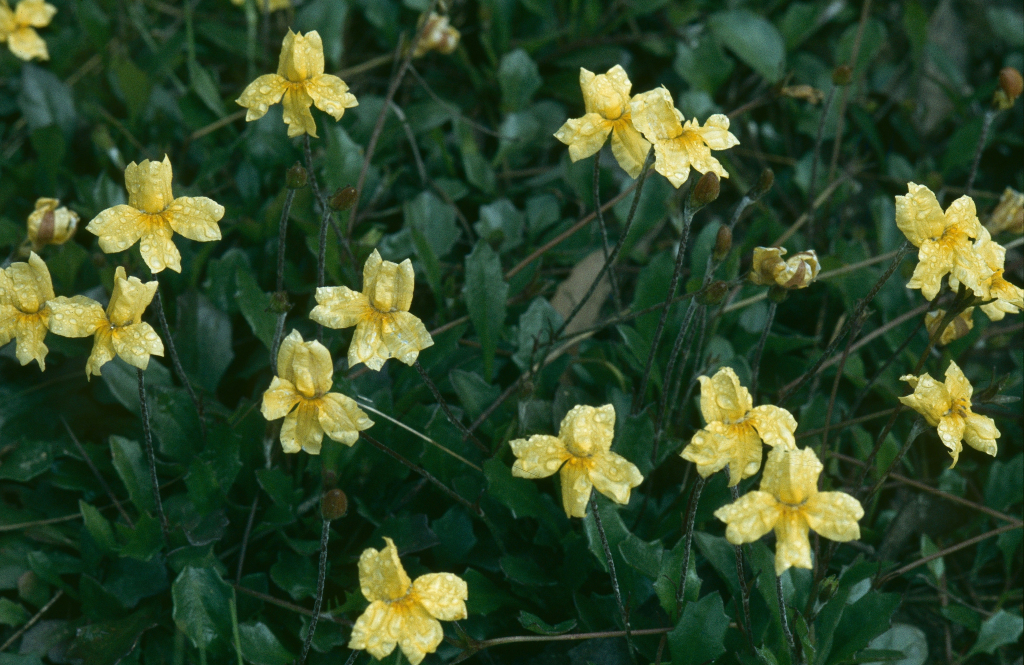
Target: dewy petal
[[749, 517], [629, 147], [655, 116], [963, 216], [606, 94], [405, 336], [381, 575], [371, 268], [301, 430], [919, 215], [391, 287], [78, 316], [28, 284], [791, 475], [26, 44], [405, 283], [149, 185], [792, 548], [129, 299], [296, 113], [930, 398], [586, 430], [289, 443], [442, 595], [585, 135], [195, 217], [286, 355], [981, 433], [36, 13], [957, 384], [368, 346], [302, 56], [614, 476], [308, 369], [157, 248], [30, 330], [539, 456], [339, 307], [279, 399], [715, 133], [719, 445], [261, 94], [951, 432], [135, 343], [118, 228], [774, 425], [722, 398], [102, 352], [331, 95], [834, 515], [342, 419], [377, 630], [576, 487], [421, 634]]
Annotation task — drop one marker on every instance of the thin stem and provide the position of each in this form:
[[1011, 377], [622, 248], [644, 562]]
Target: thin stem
[[282, 234], [744, 589], [245, 539], [755, 363], [945, 552], [352, 657], [683, 337], [236, 638], [31, 622], [835, 386], [611, 570], [915, 431], [783, 618], [321, 262], [986, 124], [151, 457], [466, 434], [289, 606], [691, 517], [814, 163], [178, 369], [604, 231], [96, 472], [325, 534]]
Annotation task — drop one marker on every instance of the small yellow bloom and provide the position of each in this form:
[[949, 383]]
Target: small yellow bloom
[[1006, 298], [304, 377], [735, 428], [948, 407], [957, 328], [50, 225], [300, 79], [275, 5], [1008, 214], [790, 503], [679, 146], [438, 35], [797, 272], [25, 289], [582, 450], [384, 327], [943, 241], [17, 27], [119, 331], [606, 100], [153, 216], [403, 612]]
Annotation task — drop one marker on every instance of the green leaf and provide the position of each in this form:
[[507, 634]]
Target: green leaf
[[536, 326], [295, 574], [45, 99], [474, 393], [535, 624], [201, 607], [862, 622], [123, 381], [134, 85], [700, 633], [435, 219], [644, 556], [753, 39], [1008, 24], [261, 646], [255, 306], [501, 225], [705, 67], [28, 460], [132, 468], [108, 642], [11, 613], [908, 642], [519, 80], [203, 339], [999, 629], [520, 495], [98, 527], [206, 88], [486, 292]]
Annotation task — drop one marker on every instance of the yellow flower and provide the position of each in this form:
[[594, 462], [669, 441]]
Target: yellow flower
[[438, 35], [678, 147], [17, 28], [275, 5], [384, 327], [153, 216], [1007, 298], [797, 272], [957, 328], [304, 377], [119, 331], [790, 503], [735, 428], [943, 240], [25, 289], [1008, 214], [50, 225], [948, 407], [300, 79], [582, 450], [403, 612], [606, 101]]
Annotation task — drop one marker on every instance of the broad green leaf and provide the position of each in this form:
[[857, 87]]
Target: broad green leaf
[[474, 393], [519, 80], [501, 225], [485, 293], [700, 633], [705, 67], [206, 88], [908, 641], [108, 642], [11, 613], [45, 99], [435, 219], [862, 622], [132, 468], [261, 646], [255, 306], [27, 460], [203, 340], [98, 527], [536, 326], [999, 629], [295, 574], [123, 381], [201, 608], [535, 624], [753, 39]]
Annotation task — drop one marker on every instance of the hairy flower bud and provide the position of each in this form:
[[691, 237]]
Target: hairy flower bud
[[723, 243], [714, 293], [764, 183], [296, 177], [50, 225], [842, 75], [705, 191], [333, 505], [343, 198], [1010, 87]]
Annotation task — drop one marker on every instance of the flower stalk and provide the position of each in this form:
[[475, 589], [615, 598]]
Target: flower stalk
[[151, 456], [611, 572], [691, 517], [197, 401]]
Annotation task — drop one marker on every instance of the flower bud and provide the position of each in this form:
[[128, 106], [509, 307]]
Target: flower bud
[[957, 328], [438, 36], [764, 183], [279, 302], [797, 272], [705, 191], [1008, 214], [343, 198], [842, 75], [714, 293], [296, 176], [1010, 87], [723, 243], [50, 225], [333, 505]]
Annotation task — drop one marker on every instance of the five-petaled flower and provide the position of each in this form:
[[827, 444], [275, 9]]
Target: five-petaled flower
[[796, 272], [384, 327], [25, 289], [304, 377], [17, 27], [51, 225], [1006, 298], [118, 331], [790, 503], [606, 99], [679, 146], [944, 241], [735, 428], [301, 81], [153, 216], [403, 612], [948, 408], [582, 450]]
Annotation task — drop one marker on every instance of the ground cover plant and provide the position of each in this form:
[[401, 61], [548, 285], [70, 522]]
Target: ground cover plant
[[507, 331]]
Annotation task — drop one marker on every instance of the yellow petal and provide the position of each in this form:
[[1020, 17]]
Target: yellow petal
[[957, 384], [963, 216], [792, 548], [261, 94], [30, 331], [722, 398], [296, 113], [538, 457], [312, 369], [576, 487], [614, 476], [586, 430], [606, 94], [28, 284], [998, 310], [368, 346], [584, 136], [195, 217], [715, 133], [26, 44], [377, 630], [629, 147], [957, 328], [342, 419], [718, 445], [749, 517], [933, 262], [791, 475], [405, 336], [442, 595], [149, 185], [697, 152], [339, 307], [8, 320], [919, 215], [654, 114], [279, 399], [371, 267], [421, 634], [286, 355], [129, 299], [390, 287], [774, 425], [672, 160], [981, 433], [301, 430], [930, 398], [102, 352], [36, 13], [75, 317], [951, 432], [157, 248], [331, 95], [135, 343], [1010, 296], [302, 56], [118, 228], [834, 515], [381, 575]]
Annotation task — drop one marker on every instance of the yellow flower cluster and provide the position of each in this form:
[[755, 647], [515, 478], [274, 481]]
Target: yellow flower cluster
[[17, 28]]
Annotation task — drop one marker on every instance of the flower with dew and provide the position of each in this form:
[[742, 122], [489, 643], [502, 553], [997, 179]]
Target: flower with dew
[[1008, 214], [384, 327], [582, 450], [118, 331], [944, 241], [735, 428], [51, 225], [680, 146], [403, 612], [17, 28], [1006, 298], [789, 502], [301, 81], [961, 324], [153, 216], [606, 99], [438, 35], [947, 406], [796, 272], [264, 6], [25, 294], [300, 394]]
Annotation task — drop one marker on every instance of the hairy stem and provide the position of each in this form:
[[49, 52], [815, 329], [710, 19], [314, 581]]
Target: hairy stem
[[611, 570], [691, 517], [755, 363], [325, 534], [783, 617], [151, 457], [604, 231], [986, 124], [744, 589], [466, 434], [197, 402]]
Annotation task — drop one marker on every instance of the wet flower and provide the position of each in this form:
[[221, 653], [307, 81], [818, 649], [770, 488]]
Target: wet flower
[[17, 28], [944, 241], [50, 225], [680, 146], [796, 272], [1007, 298], [153, 216], [957, 328], [789, 502], [118, 331], [403, 612], [948, 408], [25, 289], [263, 6], [384, 327], [438, 35], [299, 394], [606, 99], [735, 429], [582, 450], [301, 81], [1008, 214]]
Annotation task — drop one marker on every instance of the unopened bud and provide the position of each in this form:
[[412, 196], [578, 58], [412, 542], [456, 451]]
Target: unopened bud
[[296, 177], [1010, 82], [343, 198], [770, 269], [279, 302], [842, 75], [764, 183], [333, 504], [705, 191], [723, 243], [50, 225], [714, 293], [957, 328], [1008, 214]]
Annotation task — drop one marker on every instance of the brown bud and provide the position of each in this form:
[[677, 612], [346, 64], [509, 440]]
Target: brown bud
[[343, 198], [723, 243], [50, 225], [714, 293], [296, 177], [705, 191], [1010, 82], [764, 183], [842, 75], [333, 504]]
